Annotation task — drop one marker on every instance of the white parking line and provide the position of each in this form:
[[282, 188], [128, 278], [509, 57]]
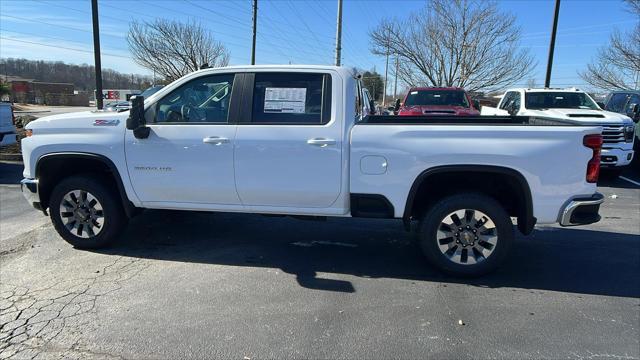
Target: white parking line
[[629, 180]]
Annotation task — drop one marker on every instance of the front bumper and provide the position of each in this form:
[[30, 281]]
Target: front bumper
[[582, 211], [29, 189], [615, 157]]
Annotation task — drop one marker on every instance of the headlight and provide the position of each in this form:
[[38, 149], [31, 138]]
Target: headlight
[[628, 133]]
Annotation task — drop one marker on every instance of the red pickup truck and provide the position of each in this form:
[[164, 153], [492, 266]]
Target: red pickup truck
[[438, 101]]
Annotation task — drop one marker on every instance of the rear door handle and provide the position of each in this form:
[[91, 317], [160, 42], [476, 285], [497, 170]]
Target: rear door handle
[[322, 142], [215, 140]]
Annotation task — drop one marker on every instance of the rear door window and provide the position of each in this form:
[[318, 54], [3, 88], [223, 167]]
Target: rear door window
[[291, 98]]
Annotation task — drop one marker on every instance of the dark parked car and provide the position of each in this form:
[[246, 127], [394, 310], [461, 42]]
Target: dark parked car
[[627, 102]]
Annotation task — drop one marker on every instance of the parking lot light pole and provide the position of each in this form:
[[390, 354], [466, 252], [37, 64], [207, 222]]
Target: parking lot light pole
[[96, 53], [386, 73], [339, 34], [395, 84], [255, 23], [552, 45]]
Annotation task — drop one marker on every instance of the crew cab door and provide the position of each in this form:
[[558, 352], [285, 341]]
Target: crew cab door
[[289, 141], [188, 156]]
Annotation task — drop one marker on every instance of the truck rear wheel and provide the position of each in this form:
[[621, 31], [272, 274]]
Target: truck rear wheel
[[466, 235], [86, 212]]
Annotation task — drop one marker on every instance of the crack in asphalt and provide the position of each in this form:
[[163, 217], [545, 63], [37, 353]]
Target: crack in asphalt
[[31, 319]]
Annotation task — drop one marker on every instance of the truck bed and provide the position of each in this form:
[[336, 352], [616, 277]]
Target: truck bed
[[466, 120], [549, 153]]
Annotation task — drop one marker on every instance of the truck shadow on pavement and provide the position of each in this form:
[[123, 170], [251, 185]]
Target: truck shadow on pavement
[[552, 259]]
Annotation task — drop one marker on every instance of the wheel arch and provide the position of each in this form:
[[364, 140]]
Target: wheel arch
[[53, 167], [520, 204]]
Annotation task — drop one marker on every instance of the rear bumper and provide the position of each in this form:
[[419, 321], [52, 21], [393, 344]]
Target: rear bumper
[[29, 189], [582, 211]]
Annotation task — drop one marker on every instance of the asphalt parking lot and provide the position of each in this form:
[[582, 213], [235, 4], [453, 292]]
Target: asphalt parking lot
[[198, 285]]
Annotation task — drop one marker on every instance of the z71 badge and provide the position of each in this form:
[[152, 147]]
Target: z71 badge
[[106, 122]]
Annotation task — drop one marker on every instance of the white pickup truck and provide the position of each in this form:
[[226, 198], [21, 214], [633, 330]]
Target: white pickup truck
[[295, 140], [574, 105]]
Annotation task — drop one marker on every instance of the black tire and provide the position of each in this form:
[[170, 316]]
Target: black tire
[[113, 217], [431, 222]]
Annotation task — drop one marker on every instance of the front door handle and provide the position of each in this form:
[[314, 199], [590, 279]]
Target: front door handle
[[215, 140], [322, 142]]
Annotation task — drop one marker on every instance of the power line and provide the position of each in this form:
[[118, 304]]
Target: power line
[[545, 33], [80, 11], [63, 47], [307, 49], [299, 17], [56, 25], [234, 8], [224, 16], [53, 38]]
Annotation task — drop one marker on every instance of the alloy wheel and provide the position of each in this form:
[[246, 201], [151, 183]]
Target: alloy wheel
[[467, 236], [82, 214]]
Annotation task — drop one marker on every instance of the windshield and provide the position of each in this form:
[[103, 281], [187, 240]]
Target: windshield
[[150, 91], [559, 100], [436, 97]]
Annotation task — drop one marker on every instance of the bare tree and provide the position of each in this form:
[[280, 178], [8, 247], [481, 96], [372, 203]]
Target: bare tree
[[617, 66], [465, 43], [173, 49]]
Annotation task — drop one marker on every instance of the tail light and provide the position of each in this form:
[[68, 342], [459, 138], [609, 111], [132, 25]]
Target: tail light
[[593, 142]]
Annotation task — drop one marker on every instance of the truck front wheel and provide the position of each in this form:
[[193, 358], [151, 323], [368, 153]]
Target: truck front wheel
[[466, 235], [86, 212]]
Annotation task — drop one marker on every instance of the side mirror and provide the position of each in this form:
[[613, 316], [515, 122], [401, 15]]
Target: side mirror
[[476, 104], [397, 105], [372, 107], [601, 104], [634, 114], [136, 121]]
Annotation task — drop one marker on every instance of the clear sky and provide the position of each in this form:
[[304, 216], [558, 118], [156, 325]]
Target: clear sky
[[296, 31]]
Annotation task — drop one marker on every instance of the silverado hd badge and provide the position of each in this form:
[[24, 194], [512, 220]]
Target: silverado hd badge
[[106, 122]]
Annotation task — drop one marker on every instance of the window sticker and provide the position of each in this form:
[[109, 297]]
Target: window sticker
[[285, 100]]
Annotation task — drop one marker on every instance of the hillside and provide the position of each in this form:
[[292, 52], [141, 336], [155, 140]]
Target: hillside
[[82, 76]]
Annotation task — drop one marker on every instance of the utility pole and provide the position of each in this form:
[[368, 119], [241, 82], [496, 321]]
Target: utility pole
[[395, 85], [386, 72], [339, 34], [255, 23], [96, 53], [552, 44]]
